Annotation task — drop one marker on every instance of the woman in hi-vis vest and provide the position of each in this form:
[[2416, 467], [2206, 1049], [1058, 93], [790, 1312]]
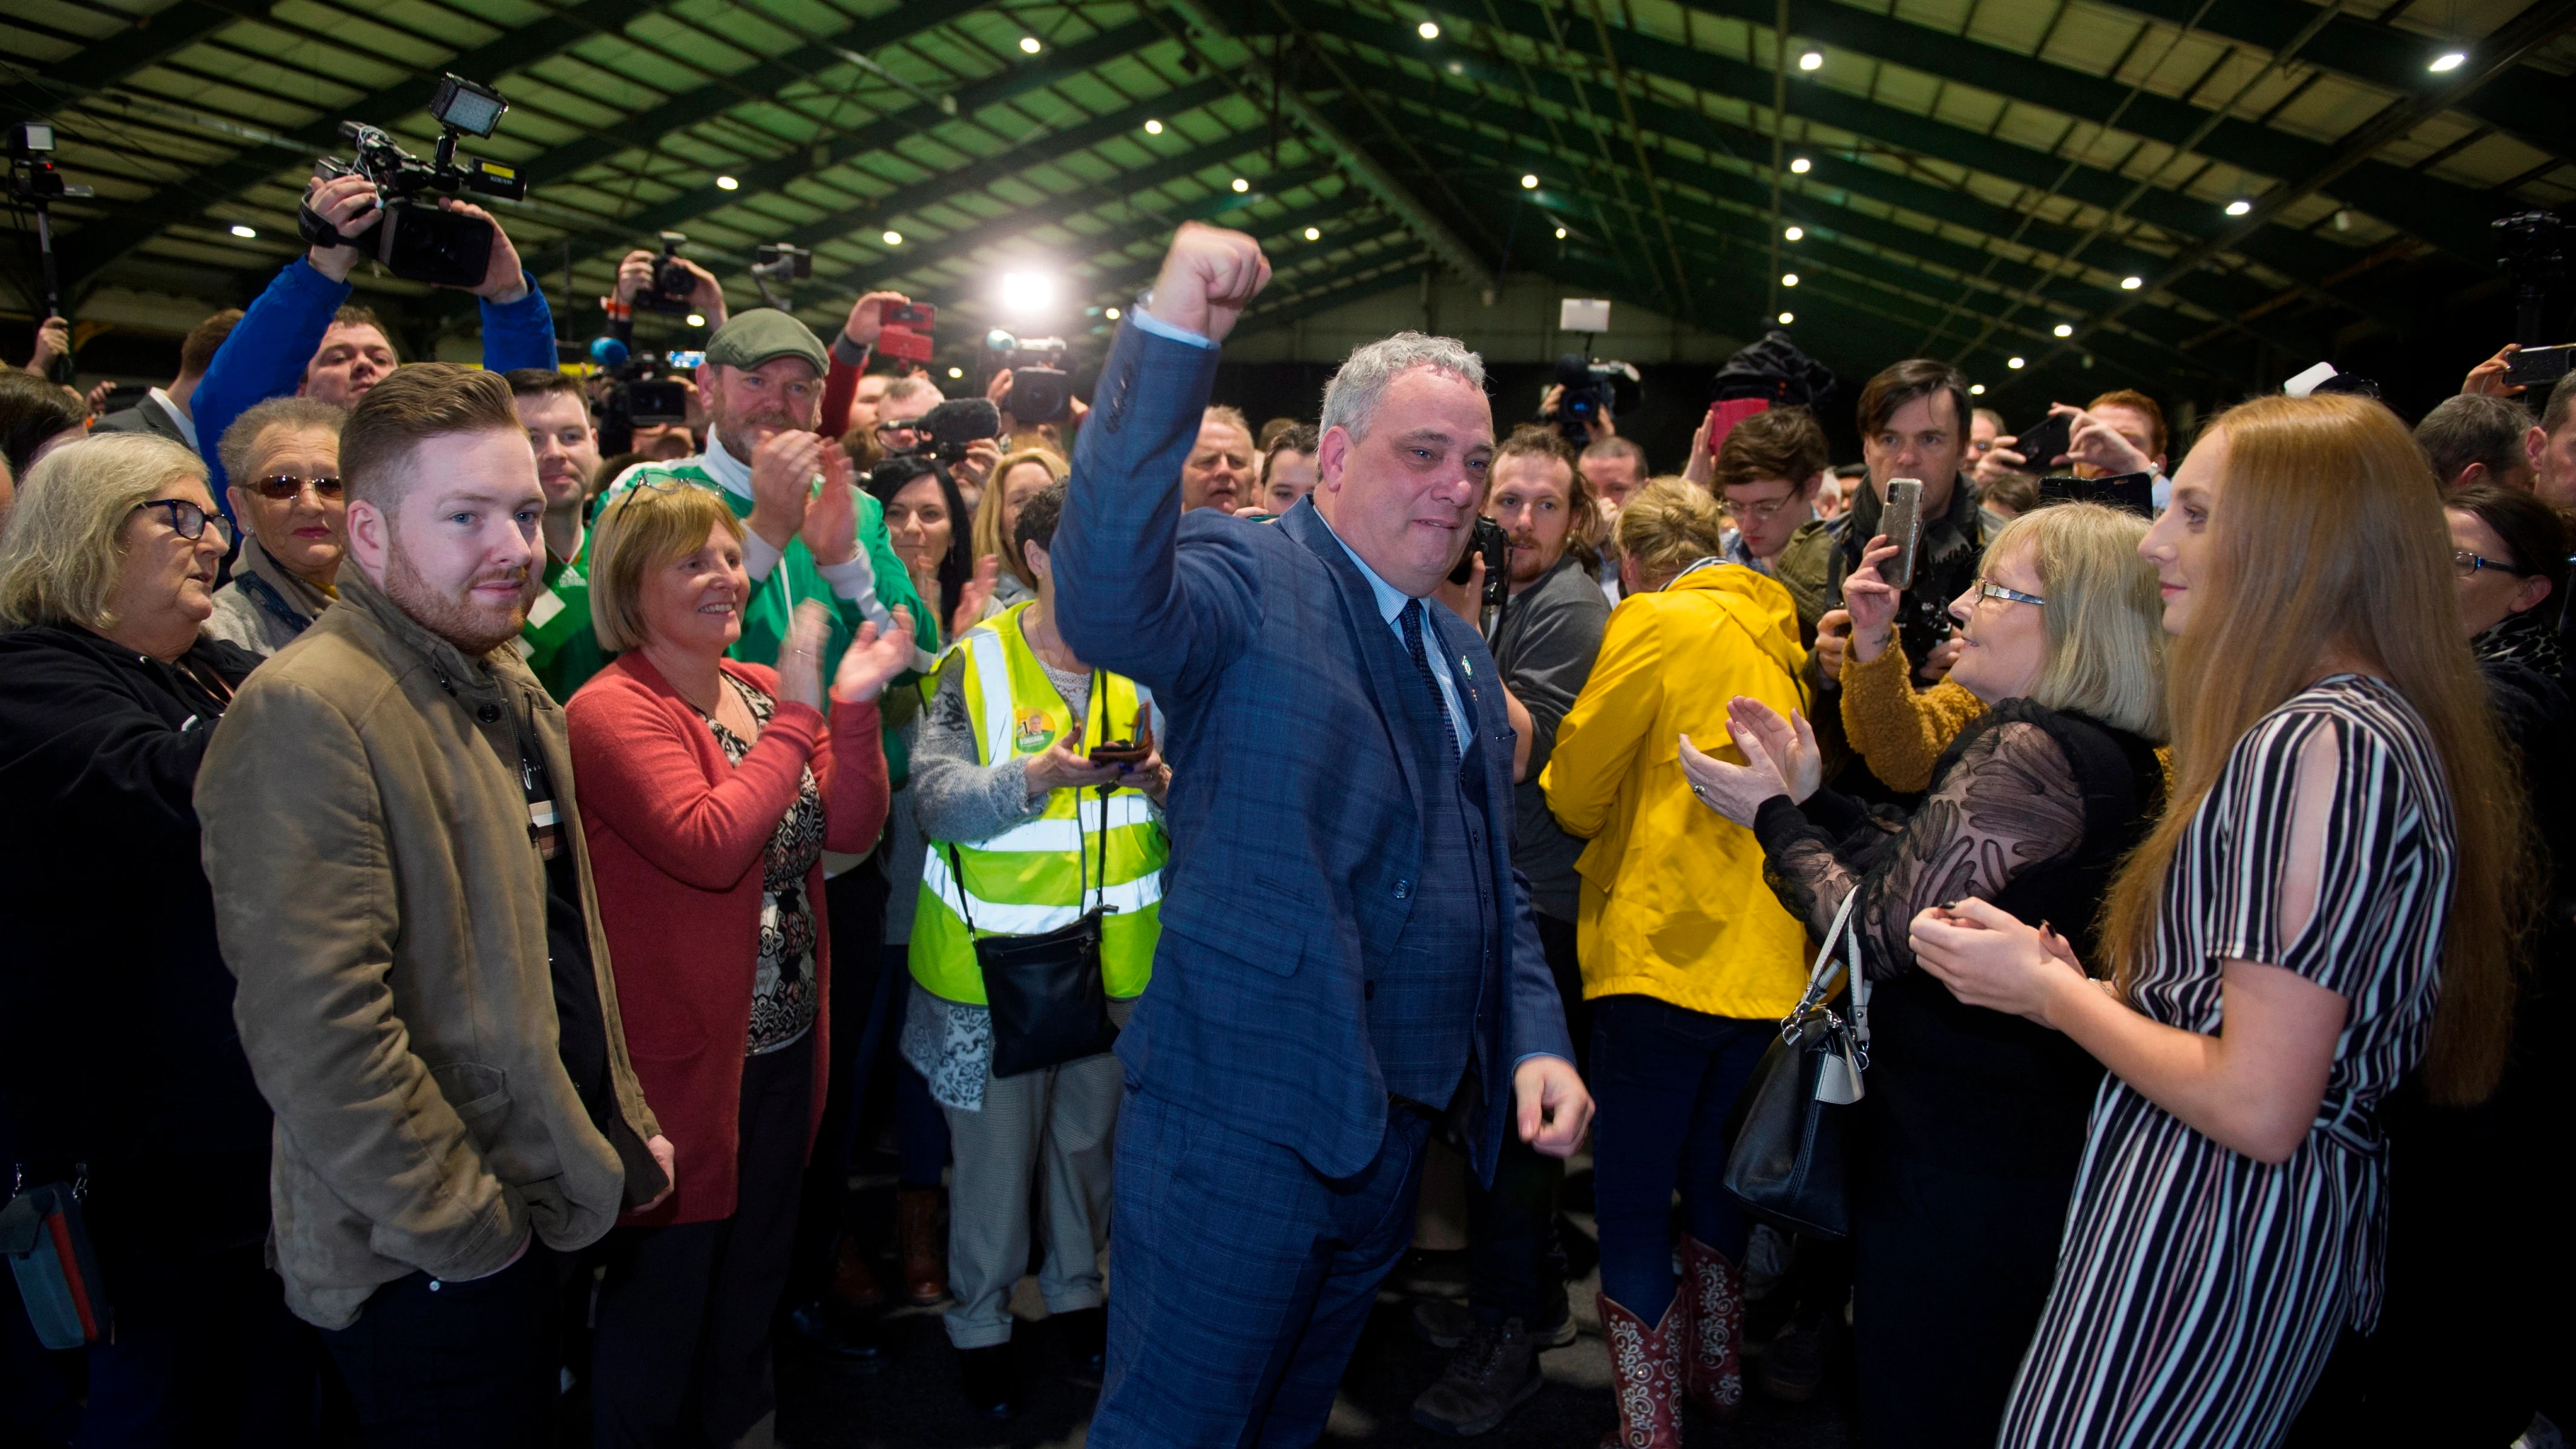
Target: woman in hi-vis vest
[[1025, 834]]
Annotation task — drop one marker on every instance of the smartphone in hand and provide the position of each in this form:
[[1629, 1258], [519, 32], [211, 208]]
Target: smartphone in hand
[[1902, 522]]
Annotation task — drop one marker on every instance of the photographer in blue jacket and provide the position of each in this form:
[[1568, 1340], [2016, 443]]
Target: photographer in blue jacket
[[302, 339]]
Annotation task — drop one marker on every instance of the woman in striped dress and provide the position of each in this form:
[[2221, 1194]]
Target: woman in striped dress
[[2331, 898]]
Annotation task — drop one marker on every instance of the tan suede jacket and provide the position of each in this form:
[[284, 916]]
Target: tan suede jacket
[[382, 903]]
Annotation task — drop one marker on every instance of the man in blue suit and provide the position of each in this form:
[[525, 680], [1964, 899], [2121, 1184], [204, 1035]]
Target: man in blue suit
[[1344, 742]]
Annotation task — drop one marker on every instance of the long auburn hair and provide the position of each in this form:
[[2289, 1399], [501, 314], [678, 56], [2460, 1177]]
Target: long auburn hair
[[2328, 534]]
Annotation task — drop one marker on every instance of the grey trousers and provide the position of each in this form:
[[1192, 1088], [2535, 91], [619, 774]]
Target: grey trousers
[[1053, 1129]]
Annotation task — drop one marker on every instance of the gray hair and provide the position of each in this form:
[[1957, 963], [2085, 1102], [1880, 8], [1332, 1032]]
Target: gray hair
[[1359, 385], [64, 546], [239, 446]]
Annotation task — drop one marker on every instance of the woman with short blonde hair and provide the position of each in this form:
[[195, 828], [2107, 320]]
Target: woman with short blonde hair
[[1973, 1124], [117, 1043], [1667, 525], [647, 527]]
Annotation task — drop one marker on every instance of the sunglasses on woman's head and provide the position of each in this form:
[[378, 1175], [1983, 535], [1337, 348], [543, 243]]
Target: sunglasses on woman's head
[[279, 487]]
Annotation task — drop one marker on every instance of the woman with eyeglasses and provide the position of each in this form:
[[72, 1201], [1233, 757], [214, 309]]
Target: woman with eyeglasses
[[283, 458], [118, 1055], [1972, 1122]]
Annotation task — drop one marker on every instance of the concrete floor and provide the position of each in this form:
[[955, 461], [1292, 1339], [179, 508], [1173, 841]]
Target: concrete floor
[[913, 1401]]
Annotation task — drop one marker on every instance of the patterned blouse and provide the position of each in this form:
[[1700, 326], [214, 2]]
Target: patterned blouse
[[782, 983]]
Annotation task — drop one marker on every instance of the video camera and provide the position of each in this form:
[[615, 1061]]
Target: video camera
[[673, 285], [782, 264], [644, 390], [36, 185], [1041, 391], [1591, 392], [942, 435], [418, 239]]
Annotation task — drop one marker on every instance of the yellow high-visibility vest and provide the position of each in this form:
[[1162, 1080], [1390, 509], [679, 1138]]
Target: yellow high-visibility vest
[[1030, 878]]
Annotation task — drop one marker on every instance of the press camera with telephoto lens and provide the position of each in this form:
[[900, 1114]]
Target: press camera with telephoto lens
[[644, 390], [1041, 390], [941, 438], [416, 238], [1590, 393]]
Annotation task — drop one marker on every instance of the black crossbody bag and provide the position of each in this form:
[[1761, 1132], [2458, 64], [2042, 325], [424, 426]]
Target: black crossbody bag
[[1049, 1003]]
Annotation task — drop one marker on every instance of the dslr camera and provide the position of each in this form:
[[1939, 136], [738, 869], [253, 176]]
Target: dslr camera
[[942, 435], [1041, 390], [644, 390], [1591, 392], [673, 284], [416, 239]]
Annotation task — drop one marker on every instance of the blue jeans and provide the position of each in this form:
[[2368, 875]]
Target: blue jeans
[[1663, 1080]]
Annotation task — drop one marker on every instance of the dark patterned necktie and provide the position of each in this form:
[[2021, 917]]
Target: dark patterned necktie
[[1415, 622]]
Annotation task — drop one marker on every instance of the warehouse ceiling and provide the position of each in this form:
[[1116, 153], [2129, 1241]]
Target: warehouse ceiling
[[2157, 189]]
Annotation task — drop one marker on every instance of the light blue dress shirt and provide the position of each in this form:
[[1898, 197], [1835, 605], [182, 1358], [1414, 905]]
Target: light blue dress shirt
[[1391, 602]]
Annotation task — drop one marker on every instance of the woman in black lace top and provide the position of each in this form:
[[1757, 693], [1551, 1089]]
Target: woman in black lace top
[[1973, 1121]]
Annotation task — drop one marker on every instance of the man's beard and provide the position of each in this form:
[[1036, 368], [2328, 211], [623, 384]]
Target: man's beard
[[739, 435], [475, 629]]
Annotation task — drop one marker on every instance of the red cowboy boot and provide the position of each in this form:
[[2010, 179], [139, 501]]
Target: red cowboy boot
[[1712, 1368], [1645, 1375]]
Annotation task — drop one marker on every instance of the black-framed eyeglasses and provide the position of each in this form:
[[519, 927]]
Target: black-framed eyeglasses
[[278, 487], [2468, 564], [1992, 590], [190, 521]]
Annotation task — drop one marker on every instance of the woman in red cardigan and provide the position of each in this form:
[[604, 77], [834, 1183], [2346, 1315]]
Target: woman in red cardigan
[[710, 789]]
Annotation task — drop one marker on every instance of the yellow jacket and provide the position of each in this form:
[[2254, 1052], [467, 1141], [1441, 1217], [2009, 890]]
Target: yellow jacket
[[1673, 902]]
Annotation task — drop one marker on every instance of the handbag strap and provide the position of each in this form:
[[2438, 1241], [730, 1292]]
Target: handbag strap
[[1820, 976]]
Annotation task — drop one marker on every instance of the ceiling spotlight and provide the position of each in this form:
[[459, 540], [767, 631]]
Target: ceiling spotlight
[[1800, 165], [1812, 60], [1029, 44], [2015, 363], [1111, 314], [956, 372], [1788, 279], [2064, 329], [1153, 128], [726, 183], [2131, 284], [1788, 317], [1529, 182], [1976, 389], [1314, 234], [244, 232], [1560, 233], [1795, 233], [894, 238], [1242, 185], [1427, 30], [695, 320], [2448, 61], [1027, 294], [2239, 207]]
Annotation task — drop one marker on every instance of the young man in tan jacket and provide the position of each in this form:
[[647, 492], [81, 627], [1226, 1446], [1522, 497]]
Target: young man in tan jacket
[[401, 887]]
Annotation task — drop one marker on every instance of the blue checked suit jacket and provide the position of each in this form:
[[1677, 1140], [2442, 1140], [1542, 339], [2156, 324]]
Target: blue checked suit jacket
[[1296, 814]]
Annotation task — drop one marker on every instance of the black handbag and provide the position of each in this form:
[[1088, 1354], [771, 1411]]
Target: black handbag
[[1792, 1123], [1049, 1003]]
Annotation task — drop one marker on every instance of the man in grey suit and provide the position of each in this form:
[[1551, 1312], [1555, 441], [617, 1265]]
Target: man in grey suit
[[164, 410]]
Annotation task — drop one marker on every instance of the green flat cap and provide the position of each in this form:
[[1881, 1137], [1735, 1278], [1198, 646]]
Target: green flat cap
[[765, 334]]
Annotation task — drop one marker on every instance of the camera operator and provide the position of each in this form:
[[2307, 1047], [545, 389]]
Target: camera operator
[[850, 396], [905, 401], [1913, 424], [301, 339], [2119, 432], [638, 271]]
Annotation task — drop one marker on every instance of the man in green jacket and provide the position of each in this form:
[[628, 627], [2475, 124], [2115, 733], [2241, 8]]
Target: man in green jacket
[[762, 384]]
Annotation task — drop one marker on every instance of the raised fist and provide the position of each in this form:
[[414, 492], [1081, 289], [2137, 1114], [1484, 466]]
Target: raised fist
[[1209, 276]]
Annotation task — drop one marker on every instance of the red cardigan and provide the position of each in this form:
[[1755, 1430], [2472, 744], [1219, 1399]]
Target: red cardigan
[[676, 840]]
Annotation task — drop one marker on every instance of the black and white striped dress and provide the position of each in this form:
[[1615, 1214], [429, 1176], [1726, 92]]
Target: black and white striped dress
[[2198, 1291]]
